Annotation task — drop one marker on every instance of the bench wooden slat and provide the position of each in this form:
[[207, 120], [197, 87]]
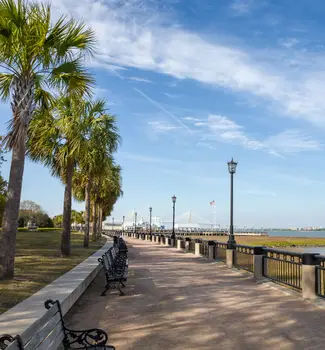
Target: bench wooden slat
[[30, 332], [13, 346], [54, 339], [42, 333]]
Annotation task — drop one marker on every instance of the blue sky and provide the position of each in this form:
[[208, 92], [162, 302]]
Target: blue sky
[[194, 83]]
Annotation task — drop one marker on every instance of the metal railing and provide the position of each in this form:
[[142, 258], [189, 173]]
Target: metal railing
[[221, 251], [204, 248], [283, 267], [244, 257], [191, 245], [320, 276]]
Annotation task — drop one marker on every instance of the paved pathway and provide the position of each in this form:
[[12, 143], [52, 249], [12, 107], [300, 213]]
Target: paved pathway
[[178, 301]]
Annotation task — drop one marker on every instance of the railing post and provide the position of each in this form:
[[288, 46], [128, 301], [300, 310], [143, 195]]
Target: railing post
[[197, 247], [162, 237], [230, 258], [308, 280], [179, 244], [212, 249], [258, 262]]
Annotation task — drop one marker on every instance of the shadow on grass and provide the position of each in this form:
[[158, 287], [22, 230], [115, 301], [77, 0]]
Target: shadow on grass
[[38, 263]]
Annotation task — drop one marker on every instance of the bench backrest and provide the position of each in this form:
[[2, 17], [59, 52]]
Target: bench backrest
[[106, 261], [110, 258], [46, 333]]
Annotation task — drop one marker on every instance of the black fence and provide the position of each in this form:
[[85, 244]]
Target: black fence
[[320, 276], [192, 245], [244, 257], [283, 267], [221, 251]]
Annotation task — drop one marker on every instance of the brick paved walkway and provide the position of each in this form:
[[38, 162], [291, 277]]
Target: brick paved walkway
[[178, 301]]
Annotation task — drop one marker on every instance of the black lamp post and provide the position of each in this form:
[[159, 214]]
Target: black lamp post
[[135, 222], [232, 169], [123, 223], [173, 232], [150, 212]]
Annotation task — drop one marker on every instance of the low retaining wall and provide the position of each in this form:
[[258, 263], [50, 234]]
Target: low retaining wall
[[23, 318]]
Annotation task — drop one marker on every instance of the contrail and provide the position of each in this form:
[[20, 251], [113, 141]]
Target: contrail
[[159, 106], [155, 103]]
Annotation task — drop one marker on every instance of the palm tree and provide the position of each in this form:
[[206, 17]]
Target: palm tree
[[102, 141], [35, 54], [67, 139], [110, 189], [57, 139]]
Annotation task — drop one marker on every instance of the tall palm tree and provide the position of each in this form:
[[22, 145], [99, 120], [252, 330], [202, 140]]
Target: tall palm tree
[[57, 138], [35, 54], [110, 190], [102, 141], [74, 135]]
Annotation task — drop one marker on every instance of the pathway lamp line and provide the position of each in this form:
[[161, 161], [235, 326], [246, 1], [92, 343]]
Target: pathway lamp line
[[173, 232], [135, 222], [232, 170]]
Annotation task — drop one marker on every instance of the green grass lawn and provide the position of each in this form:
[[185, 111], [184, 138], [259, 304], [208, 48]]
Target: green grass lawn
[[38, 262]]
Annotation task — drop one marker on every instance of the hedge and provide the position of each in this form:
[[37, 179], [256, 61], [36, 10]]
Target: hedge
[[40, 229]]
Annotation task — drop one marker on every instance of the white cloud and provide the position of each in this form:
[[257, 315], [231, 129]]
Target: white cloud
[[141, 80], [289, 43], [131, 34], [241, 7], [217, 128], [161, 126], [292, 141]]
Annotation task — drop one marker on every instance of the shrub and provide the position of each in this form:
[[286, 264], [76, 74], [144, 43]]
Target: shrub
[[48, 229]]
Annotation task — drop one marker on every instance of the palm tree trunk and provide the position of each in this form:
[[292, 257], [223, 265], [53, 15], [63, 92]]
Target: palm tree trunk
[[10, 216], [87, 214], [100, 220], [94, 228], [66, 233]]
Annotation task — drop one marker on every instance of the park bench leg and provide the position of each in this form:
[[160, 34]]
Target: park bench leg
[[118, 286], [107, 287]]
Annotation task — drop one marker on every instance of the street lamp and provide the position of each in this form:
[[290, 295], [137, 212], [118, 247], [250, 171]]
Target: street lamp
[[174, 201], [123, 223], [232, 169], [150, 212], [135, 222]]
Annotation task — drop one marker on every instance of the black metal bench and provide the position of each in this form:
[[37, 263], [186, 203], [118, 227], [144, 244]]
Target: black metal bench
[[115, 263], [50, 332]]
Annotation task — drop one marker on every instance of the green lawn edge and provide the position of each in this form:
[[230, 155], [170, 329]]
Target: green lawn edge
[[39, 262]]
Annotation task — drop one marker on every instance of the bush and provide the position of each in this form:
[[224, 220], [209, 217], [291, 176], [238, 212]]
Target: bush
[[39, 229], [48, 229]]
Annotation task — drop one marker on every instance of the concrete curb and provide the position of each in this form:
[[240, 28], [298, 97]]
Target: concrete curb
[[67, 289]]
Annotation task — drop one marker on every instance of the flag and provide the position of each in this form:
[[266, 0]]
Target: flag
[[213, 203]]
